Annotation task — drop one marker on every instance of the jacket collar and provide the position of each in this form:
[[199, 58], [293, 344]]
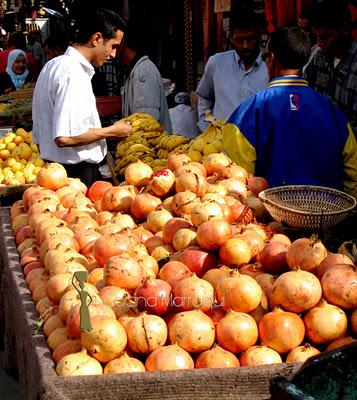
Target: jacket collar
[[289, 80]]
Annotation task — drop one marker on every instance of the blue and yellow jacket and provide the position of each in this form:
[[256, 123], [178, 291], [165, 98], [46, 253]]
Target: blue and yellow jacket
[[290, 134]]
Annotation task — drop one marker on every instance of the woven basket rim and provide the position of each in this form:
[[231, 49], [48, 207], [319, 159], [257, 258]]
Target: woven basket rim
[[262, 196]]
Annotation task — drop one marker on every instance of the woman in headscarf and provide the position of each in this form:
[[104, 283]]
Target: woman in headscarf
[[16, 74]]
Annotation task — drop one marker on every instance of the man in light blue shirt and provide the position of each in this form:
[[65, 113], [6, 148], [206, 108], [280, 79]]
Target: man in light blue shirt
[[232, 76]]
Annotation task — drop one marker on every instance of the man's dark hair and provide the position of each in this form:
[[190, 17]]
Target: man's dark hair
[[56, 42], [291, 46], [245, 18], [18, 40], [105, 21], [334, 14], [305, 14]]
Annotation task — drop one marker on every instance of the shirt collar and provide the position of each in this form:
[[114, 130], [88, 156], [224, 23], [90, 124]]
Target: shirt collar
[[257, 62], [87, 66]]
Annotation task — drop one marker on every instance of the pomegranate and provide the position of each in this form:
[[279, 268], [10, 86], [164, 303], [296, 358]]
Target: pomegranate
[[177, 160], [124, 363], [331, 261], [52, 176], [192, 330], [138, 173], [154, 296], [215, 162], [236, 331], [281, 330], [273, 257], [196, 259], [123, 271], [146, 333], [259, 355], [217, 357], [340, 342], [78, 364], [166, 358], [212, 234], [325, 323], [257, 184], [173, 271], [195, 183], [161, 182], [301, 353], [235, 252], [172, 226], [238, 292], [296, 291], [306, 254], [66, 348], [193, 293], [97, 189], [142, 205], [106, 340], [339, 286]]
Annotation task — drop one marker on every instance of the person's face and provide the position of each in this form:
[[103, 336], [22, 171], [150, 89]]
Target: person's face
[[328, 39], [106, 49], [52, 53], [19, 65], [246, 43], [303, 23], [267, 57]]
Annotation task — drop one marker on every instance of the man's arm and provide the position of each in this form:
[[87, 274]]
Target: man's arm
[[120, 129], [205, 94], [349, 157]]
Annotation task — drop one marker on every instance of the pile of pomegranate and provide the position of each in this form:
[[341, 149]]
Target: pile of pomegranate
[[181, 273]]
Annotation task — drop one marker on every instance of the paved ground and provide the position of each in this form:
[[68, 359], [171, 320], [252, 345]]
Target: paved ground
[[9, 387]]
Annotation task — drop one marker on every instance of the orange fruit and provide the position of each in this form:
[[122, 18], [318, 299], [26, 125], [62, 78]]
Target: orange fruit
[[11, 146], [4, 154], [18, 139]]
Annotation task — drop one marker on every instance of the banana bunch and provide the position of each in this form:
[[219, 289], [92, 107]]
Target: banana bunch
[[158, 164], [130, 151], [148, 143], [208, 142]]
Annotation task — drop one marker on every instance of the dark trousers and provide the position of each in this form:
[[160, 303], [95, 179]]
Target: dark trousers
[[88, 173]]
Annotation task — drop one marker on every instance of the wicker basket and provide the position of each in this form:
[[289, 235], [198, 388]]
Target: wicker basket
[[307, 207]]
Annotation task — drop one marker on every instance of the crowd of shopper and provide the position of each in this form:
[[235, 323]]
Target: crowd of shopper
[[268, 99]]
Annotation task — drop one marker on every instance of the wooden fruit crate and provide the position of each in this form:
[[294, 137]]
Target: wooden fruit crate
[[27, 355], [9, 194]]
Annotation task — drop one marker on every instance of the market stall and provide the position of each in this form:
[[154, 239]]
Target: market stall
[[28, 355]]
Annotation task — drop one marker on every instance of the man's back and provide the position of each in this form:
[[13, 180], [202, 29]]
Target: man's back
[[297, 134]]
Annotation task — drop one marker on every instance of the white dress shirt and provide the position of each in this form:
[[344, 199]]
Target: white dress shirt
[[64, 105], [226, 83]]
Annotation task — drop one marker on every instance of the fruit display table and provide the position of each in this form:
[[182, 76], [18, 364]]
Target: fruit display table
[[28, 356]]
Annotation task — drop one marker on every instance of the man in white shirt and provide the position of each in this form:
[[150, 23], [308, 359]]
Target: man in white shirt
[[232, 76], [66, 124]]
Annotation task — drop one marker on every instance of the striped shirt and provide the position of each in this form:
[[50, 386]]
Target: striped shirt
[[338, 83]]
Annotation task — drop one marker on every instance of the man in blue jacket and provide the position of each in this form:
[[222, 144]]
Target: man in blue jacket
[[289, 133]]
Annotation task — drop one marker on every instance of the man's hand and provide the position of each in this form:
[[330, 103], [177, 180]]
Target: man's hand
[[122, 129]]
